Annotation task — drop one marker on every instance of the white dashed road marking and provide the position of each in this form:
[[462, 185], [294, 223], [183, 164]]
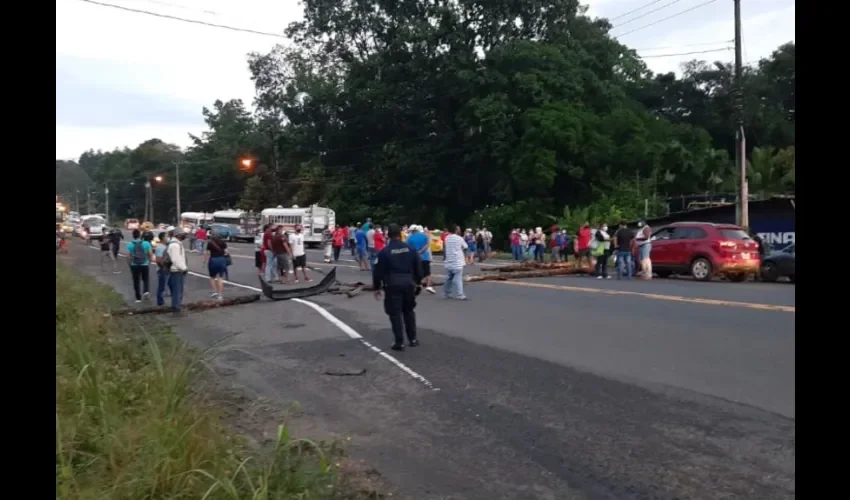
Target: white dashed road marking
[[351, 332]]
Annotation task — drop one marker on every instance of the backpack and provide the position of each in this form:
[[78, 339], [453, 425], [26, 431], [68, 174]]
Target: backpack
[[165, 260], [139, 256]]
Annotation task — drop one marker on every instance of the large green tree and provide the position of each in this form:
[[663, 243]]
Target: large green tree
[[463, 111]]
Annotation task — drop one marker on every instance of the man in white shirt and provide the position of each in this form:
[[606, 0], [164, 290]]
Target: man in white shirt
[[299, 257], [178, 269], [455, 260]]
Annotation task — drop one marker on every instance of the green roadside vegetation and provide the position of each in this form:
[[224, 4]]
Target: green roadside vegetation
[[131, 422]]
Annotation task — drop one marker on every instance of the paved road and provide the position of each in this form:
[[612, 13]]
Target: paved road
[[550, 388]]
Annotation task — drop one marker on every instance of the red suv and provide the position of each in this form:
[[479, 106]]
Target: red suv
[[704, 250]]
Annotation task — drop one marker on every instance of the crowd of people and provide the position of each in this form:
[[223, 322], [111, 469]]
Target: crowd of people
[[593, 246], [280, 253]]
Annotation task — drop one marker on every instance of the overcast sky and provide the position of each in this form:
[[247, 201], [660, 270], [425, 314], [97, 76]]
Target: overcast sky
[[123, 77]]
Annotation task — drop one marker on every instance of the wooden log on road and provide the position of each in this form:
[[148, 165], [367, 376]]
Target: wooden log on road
[[528, 266], [191, 306], [531, 273]]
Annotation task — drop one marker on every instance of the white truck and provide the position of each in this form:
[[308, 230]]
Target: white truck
[[313, 220], [93, 227]]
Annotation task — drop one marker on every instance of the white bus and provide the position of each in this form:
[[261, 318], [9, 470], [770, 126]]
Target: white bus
[[313, 219], [189, 221], [235, 225]]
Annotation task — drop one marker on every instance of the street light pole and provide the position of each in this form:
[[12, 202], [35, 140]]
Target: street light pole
[[106, 194], [148, 204]]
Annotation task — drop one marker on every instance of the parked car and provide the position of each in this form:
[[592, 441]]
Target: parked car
[[779, 264], [704, 250], [131, 224]]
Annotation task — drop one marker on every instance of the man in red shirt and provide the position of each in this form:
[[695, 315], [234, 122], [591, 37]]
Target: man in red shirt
[[380, 240], [583, 240], [271, 264], [201, 239], [339, 238], [445, 234]]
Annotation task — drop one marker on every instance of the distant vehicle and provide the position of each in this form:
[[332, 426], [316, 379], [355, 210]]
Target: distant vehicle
[[131, 224], [313, 220], [436, 241], [146, 226], [235, 225], [704, 250], [189, 221], [779, 264], [93, 227]]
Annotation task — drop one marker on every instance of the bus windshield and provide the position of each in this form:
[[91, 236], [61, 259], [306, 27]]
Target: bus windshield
[[227, 220]]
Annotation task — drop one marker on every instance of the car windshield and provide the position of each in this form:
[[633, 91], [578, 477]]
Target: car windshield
[[735, 234]]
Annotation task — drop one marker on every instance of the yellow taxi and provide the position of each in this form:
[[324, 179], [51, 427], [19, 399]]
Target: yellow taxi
[[436, 241]]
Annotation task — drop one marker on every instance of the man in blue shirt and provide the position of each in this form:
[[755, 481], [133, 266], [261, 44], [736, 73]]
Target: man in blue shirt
[[360, 239], [140, 252], [421, 242]]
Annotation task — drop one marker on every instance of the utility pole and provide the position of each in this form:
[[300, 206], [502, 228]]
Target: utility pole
[[177, 178], [106, 195], [77, 200], [740, 138], [88, 196]]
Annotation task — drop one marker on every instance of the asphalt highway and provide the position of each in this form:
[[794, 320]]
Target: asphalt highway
[[566, 387]]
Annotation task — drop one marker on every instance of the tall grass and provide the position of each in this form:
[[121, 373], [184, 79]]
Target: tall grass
[[130, 426]]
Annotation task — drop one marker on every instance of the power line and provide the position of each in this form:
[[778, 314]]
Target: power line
[[703, 44], [182, 7], [661, 20], [646, 13], [635, 10], [183, 19], [688, 53]]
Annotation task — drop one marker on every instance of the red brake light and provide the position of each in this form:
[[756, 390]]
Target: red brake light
[[728, 244]]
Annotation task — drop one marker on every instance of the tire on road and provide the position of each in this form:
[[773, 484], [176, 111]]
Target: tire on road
[[701, 269], [769, 271]]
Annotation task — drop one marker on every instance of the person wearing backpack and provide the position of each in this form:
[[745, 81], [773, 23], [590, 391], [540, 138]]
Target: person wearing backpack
[[140, 253], [162, 273]]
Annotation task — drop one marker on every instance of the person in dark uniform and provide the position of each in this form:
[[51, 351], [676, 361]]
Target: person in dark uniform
[[399, 273]]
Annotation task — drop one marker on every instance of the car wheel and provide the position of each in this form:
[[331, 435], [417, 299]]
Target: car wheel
[[701, 269], [737, 278], [769, 272], [663, 274]]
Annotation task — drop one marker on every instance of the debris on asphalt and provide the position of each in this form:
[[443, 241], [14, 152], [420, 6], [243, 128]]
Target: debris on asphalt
[[191, 306]]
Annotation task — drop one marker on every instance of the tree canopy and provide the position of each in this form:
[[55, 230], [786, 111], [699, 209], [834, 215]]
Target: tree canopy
[[517, 112]]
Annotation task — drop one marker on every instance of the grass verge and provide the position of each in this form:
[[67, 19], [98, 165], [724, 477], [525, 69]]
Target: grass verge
[[130, 424]]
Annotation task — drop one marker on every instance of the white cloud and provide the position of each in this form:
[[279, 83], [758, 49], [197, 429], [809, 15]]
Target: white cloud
[[162, 60], [71, 141]]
